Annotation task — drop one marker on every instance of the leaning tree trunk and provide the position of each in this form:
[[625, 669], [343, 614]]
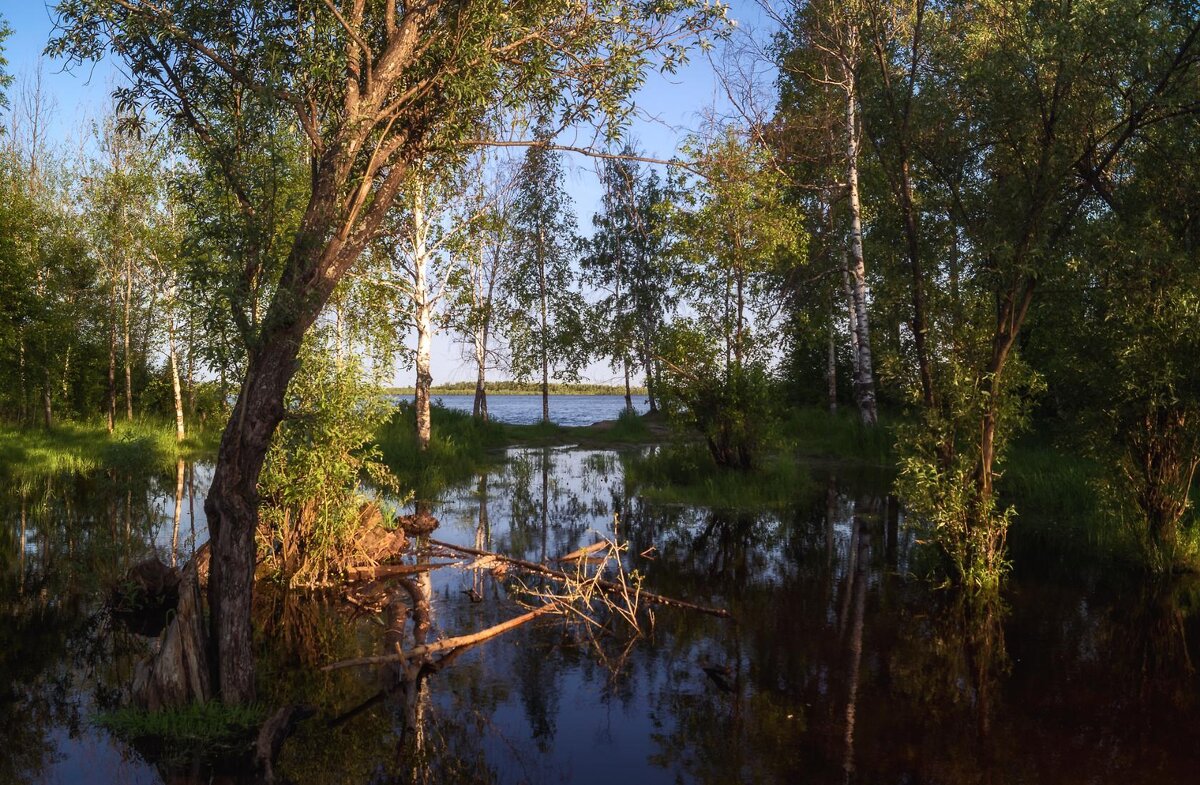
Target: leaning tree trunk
[[232, 508]]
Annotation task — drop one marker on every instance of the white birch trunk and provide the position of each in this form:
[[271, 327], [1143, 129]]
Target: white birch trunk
[[423, 316], [180, 433], [865, 378]]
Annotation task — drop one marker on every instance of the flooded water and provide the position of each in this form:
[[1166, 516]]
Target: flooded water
[[840, 665], [573, 410]]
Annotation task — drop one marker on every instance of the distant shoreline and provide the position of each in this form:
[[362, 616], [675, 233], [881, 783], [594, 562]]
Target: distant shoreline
[[511, 388]]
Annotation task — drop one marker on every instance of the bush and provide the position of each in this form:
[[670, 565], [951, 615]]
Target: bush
[[310, 493]]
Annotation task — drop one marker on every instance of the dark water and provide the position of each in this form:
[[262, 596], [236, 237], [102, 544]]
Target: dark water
[[841, 665], [570, 410]]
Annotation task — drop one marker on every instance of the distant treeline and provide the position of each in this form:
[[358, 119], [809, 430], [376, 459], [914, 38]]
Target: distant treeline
[[521, 388]]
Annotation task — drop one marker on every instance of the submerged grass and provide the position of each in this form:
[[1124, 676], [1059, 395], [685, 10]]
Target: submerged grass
[[81, 447], [687, 474], [211, 729]]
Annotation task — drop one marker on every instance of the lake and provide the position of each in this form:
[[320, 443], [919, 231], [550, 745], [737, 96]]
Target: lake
[[572, 410], [842, 663]]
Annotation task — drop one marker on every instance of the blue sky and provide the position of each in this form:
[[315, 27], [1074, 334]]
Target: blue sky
[[669, 108]]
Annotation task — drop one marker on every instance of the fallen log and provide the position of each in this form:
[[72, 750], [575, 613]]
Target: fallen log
[[444, 644], [607, 586], [369, 573]]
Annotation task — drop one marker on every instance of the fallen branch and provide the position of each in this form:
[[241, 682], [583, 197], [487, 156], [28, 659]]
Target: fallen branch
[[607, 586], [442, 645]]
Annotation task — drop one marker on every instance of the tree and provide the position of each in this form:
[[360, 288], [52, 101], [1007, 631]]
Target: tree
[[821, 46], [543, 323], [1021, 184], [372, 87], [487, 246], [734, 230], [627, 261]]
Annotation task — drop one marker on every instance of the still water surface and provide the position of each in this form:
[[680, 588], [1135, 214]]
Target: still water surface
[[841, 666], [573, 410]]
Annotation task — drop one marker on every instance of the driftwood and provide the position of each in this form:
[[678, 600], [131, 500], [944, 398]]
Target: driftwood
[[178, 673], [584, 552], [444, 644], [607, 586]]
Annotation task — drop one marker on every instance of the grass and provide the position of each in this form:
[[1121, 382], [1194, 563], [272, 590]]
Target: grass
[[79, 448], [459, 447], [209, 730], [815, 432], [687, 474]]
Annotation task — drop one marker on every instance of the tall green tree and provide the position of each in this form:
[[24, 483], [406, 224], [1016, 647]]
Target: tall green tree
[[372, 87], [544, 326], [628, 262]]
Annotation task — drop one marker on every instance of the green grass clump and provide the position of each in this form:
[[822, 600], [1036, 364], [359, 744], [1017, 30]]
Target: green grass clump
[[687, 474], [210, 729], [459, 446], [816, 432], [629, 427], [28, 454]]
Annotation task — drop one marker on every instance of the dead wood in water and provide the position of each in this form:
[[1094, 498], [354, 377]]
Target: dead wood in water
[[389, 570], [607, 586], [446, 644]]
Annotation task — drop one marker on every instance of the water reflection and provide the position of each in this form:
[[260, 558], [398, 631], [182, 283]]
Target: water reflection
[[841, 665]]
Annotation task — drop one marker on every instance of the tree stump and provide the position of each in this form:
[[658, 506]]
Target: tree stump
[[177, 674]]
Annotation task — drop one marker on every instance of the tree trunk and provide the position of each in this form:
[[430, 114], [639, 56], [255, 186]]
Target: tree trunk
[[545, 337], [232, 510], [47, 404], [424, 375], [128, 358], [180, 434], [112, 357], [865, 381], [831, 371], [423, 316], [23, 405], [852, 321], [480, 408], [628, 391]]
